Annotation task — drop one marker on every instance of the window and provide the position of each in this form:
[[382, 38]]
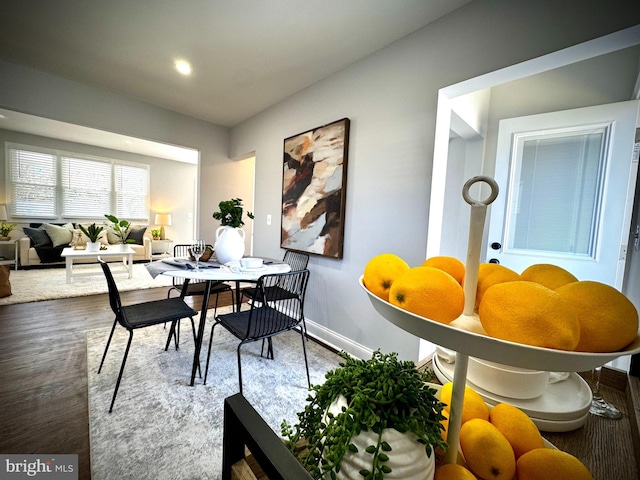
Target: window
[[57, 185]]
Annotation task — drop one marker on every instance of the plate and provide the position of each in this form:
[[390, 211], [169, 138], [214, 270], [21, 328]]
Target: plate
[[501, 351], [253, 269], [565, 401]]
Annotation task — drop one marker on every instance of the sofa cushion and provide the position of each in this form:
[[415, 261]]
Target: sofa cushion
[[59, 235], [39, 237], [137, 234]]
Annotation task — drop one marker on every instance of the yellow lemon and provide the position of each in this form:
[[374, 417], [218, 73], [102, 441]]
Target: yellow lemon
[[453, 471], [490, 274], [428, 292], [517, 427], [549, 463], [486, 451], [529, 313], [451, 265], [381, 271], [551, 276], [608, 319], [473, 405]]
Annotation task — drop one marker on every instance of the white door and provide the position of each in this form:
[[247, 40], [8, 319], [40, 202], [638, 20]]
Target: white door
[[567, 181]]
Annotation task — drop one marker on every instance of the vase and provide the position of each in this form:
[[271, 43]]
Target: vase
[[408, 459], [229, 244], [93, 246]]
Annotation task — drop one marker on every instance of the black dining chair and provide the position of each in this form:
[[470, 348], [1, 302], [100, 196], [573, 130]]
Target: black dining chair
[[264, 320], [140, 315], [188, 288], [297, 261]]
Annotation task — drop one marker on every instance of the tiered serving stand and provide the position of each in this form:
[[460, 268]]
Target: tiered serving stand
[[466, 342]]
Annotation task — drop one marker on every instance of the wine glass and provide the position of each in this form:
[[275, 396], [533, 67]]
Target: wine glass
[[599, 406], [197, 250]]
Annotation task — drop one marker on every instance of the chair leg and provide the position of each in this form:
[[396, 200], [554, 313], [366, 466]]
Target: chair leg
[[104, 355], [124, 361], [172, 332], [206, 368], [195, 339], [239, 369], [306, 362]]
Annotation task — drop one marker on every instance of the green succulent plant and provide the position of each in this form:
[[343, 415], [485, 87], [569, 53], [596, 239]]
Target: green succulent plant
[[92, 231], [381, 393], [120, 228], [230, 213], [6, 228]]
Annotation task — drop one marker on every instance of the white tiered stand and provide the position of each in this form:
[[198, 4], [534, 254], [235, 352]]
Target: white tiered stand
[[461, 338]]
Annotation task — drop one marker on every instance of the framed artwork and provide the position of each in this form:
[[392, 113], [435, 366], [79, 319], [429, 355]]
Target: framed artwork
[[314, 184]]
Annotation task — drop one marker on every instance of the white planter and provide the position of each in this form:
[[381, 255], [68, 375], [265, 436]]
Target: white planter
[[229, 246], [93, 246], [408, 459]]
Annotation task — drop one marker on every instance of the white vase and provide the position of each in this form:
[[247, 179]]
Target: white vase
[[93, 246], [229, 244], [408, 459]]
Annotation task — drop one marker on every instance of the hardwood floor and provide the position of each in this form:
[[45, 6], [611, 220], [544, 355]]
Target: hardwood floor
[[43, 372]]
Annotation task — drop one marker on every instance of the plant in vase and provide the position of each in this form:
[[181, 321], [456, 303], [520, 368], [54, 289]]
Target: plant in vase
[[5, 230], [229, 245], [93, 234], [120, 228], [367, 419], [155, 233]]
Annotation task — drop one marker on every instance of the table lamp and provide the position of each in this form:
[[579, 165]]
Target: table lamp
[[163, 219], [3, 213]]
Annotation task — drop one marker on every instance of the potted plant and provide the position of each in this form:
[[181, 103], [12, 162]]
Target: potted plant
[[93, 233], [120, 228], [368, 418], [229, 244], [5, 230], [155, 233]]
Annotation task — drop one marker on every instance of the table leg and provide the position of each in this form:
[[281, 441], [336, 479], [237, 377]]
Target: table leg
[[130, 265], [238, 296], [203, 319], [68, 268]]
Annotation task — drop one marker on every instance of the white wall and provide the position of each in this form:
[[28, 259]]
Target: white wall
[[391, 99]]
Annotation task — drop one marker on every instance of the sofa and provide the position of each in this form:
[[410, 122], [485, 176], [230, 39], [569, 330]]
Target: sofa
[[42, 244]]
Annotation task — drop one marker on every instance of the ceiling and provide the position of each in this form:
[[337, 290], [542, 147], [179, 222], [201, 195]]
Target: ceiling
[[247, 55]]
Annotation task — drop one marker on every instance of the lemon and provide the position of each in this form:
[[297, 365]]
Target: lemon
[[451, 265], [486, 451], [491, 273], [473, 406], [428, 292], [381, 271], [517, 427], [608, 319], [549, 463], [551, 276], [453, 471], [529, 313]]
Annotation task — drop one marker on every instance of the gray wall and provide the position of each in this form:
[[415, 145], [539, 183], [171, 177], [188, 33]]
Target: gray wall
[[391, 99]]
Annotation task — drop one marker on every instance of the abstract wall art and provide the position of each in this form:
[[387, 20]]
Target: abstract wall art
[[314, 184]]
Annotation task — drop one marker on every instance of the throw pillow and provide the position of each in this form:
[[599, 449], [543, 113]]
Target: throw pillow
[[112, 238], [59, 235], [136, 234], [39, 237], [5, 284]]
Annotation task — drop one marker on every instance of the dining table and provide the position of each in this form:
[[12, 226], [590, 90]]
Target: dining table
[[210, 272]]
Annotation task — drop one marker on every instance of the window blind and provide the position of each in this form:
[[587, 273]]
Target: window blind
[[132, 192], [33, 179], [86, 187]]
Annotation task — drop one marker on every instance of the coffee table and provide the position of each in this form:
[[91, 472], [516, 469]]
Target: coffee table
[[70, 254]]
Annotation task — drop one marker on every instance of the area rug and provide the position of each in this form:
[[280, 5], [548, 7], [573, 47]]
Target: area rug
[[34, 285], [161, 428]]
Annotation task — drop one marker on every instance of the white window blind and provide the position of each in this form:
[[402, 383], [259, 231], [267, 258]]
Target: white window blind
[[132, 191], [86, 187], [33, 179]]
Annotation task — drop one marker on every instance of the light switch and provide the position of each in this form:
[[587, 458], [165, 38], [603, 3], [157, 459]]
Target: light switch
[[268, 219]]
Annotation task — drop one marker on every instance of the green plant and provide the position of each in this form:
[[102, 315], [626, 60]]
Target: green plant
[[5, 229], [155, 232], [120, 228], [92, 231], [230, 213], [380, 393]]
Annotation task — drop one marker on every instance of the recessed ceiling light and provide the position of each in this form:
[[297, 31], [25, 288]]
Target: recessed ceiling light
[[183, 67]]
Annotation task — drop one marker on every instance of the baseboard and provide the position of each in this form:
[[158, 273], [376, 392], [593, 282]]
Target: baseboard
[[335, 341]]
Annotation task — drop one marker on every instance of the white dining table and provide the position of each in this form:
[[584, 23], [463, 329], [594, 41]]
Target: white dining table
[[213, 272]]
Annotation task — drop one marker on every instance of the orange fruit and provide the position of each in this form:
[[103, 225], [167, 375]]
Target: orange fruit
[[486, 451], [549, 463], [428, 292], [517, 428], [608, 319], [473, 406], [453, 471], [381, 271], [490, 274], [551, 276], [529, 313], [451, 265]]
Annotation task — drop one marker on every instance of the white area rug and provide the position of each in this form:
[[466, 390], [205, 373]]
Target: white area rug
[[161, 428], [46, 284]]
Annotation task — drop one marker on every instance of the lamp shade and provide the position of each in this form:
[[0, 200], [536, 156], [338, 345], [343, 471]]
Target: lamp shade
[[163, 219], [3, 212]]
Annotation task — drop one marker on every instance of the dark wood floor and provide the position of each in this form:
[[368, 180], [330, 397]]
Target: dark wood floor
[[43, 372]]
